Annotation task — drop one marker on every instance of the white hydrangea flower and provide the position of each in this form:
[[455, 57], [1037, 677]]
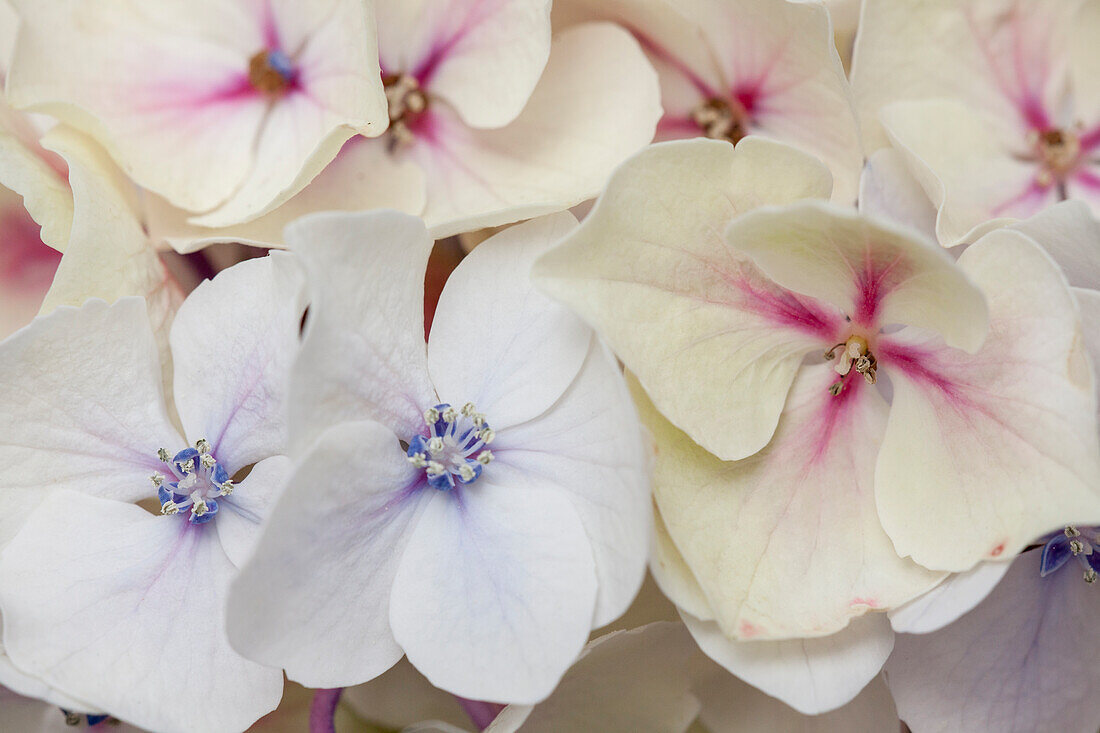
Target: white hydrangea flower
[[449, 499]]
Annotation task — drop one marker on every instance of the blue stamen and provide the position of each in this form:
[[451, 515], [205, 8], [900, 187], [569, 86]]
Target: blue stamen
[[280, 62], [453, 452]]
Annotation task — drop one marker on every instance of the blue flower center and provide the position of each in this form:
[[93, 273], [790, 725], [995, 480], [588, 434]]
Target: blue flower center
[[271, 72], [454, 450], [1084, 545], [194, 482]]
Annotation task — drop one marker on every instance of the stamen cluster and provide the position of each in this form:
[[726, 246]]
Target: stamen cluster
[[454, 449], [200, 480]]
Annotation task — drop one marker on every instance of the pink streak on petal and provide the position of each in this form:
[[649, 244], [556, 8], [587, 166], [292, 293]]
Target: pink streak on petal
[[675, 128], [1013, 83], [748, 630], [1025, 203], [1088, 179], [834, 419], [1090, 140], [268, 27], [652, 47], [868, 602], [919, 365], [442, 47], [786, 309], [872, 288], [26, 264]]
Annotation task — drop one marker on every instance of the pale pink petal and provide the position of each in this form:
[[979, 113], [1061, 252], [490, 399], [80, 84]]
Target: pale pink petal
[[889, 191], [483, 56]]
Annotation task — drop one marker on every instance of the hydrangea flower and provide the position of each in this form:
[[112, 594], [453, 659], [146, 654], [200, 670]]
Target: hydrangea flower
[[796, 496], [448, 500], [490, 121], [102, 599], [731, 68], [224, 109], [994, 103]]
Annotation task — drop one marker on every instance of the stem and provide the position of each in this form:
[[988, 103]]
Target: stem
[[481, 713], [323, 710]]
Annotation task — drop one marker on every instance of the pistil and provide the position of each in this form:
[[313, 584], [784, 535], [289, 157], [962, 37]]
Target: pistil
[[406, 101], [719, 119]]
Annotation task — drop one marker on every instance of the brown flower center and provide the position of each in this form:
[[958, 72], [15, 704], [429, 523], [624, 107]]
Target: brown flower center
[[719, 119], [406, 101], [270, 73]]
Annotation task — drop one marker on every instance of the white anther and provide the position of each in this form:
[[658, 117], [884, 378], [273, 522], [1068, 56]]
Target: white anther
[[1071, 531], [207, 460], [486, 435], [163, 455], [469, 410], [227, 487], [435, 468], [450, 415], [202, 445], [431, 415], [435, 446], [199, 507], [466, 472], [418, 459], [169, 507], [479, 419], [1076, 547], [485, 457], [1090, 576], [157, 479], [187, 466]]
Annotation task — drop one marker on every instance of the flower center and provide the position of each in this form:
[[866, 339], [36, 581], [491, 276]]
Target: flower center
[[199, 481], [852, 357], [1058, 151], [454, 449], [1072, 542], [721, 120], [406, 102], [271, 73]]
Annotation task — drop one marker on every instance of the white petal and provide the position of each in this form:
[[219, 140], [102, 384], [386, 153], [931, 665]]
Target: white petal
[[787, 543], [813, 676], [875, 272], [36, 174], [498, 342], [80, 392], [108, 253], [125, 609], [625, 682], [588, 446], [731, 706], [1071, 236], [889, 191], [1084, 68], [483, 57], [1007, 58], [949, 600], [314, 597], [241, 513], [362, 176], [781, 58], [486, 565], [968, 164], [1017, 663], [363, 355], [696, 322], [983, 453], [596, 104], [233, 342], [672, 574]]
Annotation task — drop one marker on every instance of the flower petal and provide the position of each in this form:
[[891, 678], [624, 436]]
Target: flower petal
[[650, 270], [787, 543], [82, 407], [1002, 56], [985, 453], [813, 676], [780, 59], [949, 600], [483, 56], [484, 566], [589, 448], [125, 609], [36, 174], [241, 513], [1071, 236], [498, 342], [596, 104], [1084, 62], [672, 574], [968, 164], [362, 176], [233, 342], [314, 595], [889, 191], [731, 706], [1010, 664], [624, 682], [363, 354], [873, 271]]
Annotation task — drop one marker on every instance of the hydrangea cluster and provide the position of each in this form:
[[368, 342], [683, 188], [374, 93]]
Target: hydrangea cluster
[[553, 366]]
